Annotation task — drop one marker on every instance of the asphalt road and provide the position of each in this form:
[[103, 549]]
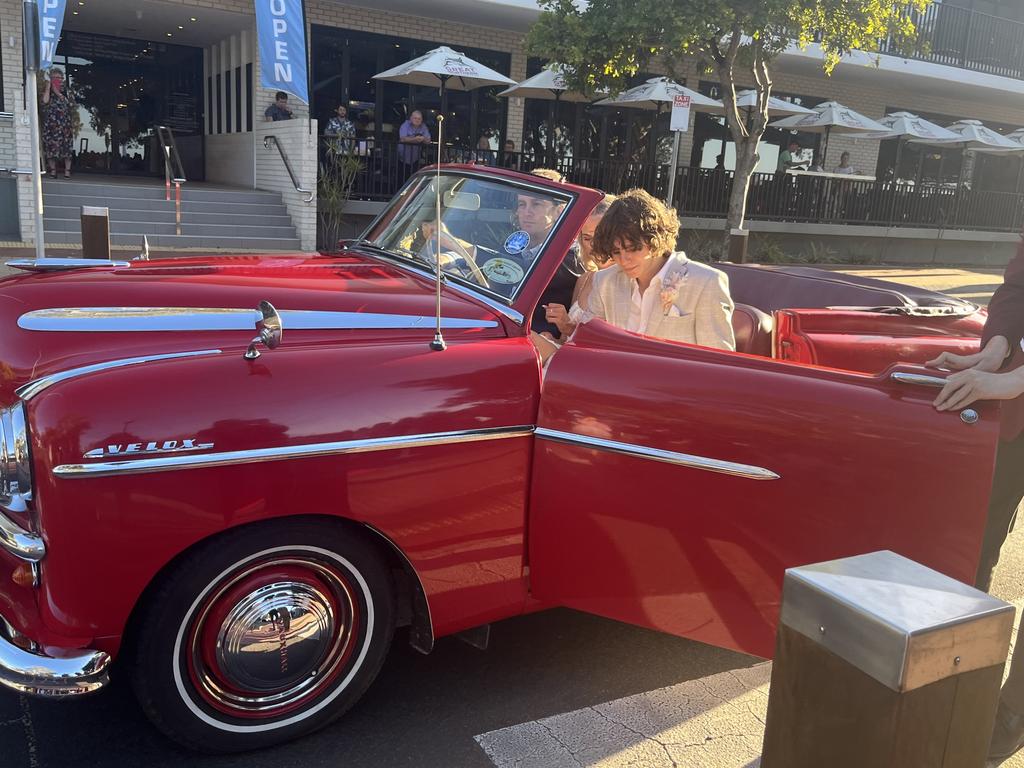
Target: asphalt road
[[422, 711], [426, 711]]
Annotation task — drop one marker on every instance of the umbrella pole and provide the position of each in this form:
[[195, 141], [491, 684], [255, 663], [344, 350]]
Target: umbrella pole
[[895, 182], [672, 170], [440, 115], [552, 118], [824, 152]]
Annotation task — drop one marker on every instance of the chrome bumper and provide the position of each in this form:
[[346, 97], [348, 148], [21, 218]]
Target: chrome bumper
[[70, 673]]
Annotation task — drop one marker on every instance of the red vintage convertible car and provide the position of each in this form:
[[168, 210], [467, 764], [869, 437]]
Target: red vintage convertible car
[[239, 531]]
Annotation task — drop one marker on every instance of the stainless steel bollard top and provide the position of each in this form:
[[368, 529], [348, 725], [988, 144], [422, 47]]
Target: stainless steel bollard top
[[898, 621]]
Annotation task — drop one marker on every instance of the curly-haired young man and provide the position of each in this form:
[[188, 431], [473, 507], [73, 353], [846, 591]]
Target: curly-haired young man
[[653, 289]]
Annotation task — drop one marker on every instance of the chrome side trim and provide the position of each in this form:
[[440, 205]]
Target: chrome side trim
[[33, 388], [920, 379], [74, 673], [23, 544], [130, 319], [50, 264], [257, 455], [656, 454]]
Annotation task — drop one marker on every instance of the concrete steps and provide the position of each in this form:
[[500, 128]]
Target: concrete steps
[[211, 217]]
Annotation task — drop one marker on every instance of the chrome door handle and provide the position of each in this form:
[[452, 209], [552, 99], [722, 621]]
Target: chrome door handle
[[920, 379]]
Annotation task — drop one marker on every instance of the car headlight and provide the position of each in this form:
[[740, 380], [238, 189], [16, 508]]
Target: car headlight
[[15, 460]]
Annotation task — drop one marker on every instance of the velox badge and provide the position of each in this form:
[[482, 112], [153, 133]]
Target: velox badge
[[137, 449]]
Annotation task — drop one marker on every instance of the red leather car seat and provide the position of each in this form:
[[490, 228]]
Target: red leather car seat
[[753, 330]]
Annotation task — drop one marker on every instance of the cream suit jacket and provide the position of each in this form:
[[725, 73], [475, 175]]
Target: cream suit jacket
[[692, 303]]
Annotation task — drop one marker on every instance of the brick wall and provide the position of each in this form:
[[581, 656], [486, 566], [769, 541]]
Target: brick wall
[[300, 144]]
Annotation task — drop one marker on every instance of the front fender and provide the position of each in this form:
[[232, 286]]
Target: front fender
[[455, 509]]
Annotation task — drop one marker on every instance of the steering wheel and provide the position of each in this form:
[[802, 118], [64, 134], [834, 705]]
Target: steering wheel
[[453, 244]]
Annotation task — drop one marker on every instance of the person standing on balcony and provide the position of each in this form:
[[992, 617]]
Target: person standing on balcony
[[341, 128], [997, 373], [412, 135], [58, 123], [844, 165], [279, 110], [789, 159]]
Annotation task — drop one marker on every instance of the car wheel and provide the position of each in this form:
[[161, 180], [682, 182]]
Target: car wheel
[[262, 635]]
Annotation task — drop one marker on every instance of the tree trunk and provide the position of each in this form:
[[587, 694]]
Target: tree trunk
[[746, 130], [746, 161]]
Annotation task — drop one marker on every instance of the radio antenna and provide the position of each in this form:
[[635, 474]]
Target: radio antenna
[[438, 344]]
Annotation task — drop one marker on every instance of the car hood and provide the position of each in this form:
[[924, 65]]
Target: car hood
[[326, 298]]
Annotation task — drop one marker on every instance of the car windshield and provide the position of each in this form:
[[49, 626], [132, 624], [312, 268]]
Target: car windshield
[[492, 232]]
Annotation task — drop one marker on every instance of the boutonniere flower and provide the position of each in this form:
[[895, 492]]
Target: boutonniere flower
[[670, 289]]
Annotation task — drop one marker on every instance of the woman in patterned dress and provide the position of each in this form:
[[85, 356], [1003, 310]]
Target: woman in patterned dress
[[58, 123]]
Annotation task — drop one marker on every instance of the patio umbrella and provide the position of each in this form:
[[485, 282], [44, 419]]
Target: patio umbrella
[[974, 136], [906, 126], [445, 68], [660, 92], [827, 116], [747, 101], [1018, 138], [548, 84]]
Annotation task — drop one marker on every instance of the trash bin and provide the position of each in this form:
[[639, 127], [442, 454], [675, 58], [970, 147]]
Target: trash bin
[[881, 662]]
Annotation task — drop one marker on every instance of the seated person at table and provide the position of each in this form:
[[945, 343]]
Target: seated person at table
[[651, 289]]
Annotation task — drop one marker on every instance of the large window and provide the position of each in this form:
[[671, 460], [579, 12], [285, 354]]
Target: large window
[[710, 134], [941, 165], [345, 61], [566, 131]]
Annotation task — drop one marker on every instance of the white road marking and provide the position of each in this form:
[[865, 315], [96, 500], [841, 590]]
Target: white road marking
[[712, 722]]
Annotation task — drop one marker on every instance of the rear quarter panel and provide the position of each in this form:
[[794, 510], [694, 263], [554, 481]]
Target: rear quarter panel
[[457, 511]]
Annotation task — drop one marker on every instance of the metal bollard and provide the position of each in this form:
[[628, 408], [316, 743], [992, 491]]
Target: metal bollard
[[881, 662], [95, 232]]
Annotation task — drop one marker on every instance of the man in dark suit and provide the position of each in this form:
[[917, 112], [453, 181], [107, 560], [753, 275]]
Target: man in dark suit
[[997, 373]]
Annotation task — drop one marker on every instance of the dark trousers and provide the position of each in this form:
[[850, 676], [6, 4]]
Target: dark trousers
[[1007, 491]]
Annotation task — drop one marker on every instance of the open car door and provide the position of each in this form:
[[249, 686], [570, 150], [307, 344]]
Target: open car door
[[673, 485]]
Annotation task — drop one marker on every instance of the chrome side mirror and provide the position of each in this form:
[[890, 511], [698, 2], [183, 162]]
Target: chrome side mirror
[[269, 330]]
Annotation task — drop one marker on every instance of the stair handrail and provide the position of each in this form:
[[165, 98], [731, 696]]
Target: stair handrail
[[174, 171], [288, 166]]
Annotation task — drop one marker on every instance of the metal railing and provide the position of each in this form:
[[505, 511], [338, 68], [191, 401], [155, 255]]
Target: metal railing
[[704, 192], [827, 200], [963, 38], [174, 171], [271, 139]]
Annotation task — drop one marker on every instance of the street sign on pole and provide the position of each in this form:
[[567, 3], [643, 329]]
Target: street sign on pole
[[680, 113]]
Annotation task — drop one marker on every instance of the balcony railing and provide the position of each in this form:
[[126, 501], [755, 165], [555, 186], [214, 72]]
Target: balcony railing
[[704, 192], [967, 39]]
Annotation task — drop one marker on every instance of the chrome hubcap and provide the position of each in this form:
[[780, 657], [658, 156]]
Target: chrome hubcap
[[272, 637], [275, 636]]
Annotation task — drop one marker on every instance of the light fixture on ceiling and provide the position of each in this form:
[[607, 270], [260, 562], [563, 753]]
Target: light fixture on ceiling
[[169, 34], [193, 18], [180, 27]]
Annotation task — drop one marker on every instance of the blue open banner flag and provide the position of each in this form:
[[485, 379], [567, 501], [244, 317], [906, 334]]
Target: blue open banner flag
[[51, 20], [281, 30]]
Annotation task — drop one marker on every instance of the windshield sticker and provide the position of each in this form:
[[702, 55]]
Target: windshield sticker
[[503, 271], [517, 242]]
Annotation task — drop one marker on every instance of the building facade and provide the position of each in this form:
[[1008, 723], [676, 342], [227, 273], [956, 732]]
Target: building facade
[[193, 65]]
